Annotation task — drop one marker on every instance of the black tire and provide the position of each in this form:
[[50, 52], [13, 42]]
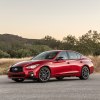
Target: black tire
[[84, 73], [60, 78], [18, 80], [44, 74]]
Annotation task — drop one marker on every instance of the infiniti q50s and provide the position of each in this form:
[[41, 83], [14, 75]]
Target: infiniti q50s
[[54, 63]]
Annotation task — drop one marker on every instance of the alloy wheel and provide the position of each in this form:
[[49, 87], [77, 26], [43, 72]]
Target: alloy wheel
[[44, 74], [85, 73]]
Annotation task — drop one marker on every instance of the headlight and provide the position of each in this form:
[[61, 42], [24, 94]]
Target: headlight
[[32, 66]]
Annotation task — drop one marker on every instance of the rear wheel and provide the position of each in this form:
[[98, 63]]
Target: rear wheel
[[84, 73], [18, 80], [44, 74], [60, 78]]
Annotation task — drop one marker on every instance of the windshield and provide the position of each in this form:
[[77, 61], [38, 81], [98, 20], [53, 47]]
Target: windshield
[[46, 55]]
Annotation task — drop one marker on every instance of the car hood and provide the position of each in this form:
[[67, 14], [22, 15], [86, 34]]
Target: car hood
[[31, 62]]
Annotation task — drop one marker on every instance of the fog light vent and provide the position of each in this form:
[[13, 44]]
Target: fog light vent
[[31, 74]]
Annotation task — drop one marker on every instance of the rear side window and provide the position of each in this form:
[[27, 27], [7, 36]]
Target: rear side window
[[73, 55], [79, 56]]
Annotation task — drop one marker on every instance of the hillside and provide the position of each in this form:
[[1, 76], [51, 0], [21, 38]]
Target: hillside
[[16, 46], [9, 38]]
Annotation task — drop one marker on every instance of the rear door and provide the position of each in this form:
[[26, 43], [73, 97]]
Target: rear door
[[74, 61]]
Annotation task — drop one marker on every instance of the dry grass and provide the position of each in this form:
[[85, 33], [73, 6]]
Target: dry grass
[[96, 62], [6, 63]]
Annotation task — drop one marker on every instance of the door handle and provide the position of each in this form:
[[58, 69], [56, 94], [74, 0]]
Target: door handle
[[81, 62], [68, 62]]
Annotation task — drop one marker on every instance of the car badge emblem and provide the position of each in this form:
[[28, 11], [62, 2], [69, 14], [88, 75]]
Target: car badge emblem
[[15, 69]]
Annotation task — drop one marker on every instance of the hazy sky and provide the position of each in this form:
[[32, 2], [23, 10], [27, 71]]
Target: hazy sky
[[37, 18]]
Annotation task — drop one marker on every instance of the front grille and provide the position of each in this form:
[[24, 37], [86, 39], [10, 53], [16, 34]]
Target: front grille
[[16, 69], [21, 75]]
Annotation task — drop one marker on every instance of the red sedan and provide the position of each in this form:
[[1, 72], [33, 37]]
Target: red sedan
[[55, 63]]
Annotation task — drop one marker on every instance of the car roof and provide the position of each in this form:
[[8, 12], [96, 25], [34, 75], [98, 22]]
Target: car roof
[[62, 50], [65, 50]]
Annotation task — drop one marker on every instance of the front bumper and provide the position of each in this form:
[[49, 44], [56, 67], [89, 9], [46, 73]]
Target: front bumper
[[27, 74]]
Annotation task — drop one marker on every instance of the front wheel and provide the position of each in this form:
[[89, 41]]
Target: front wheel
[[18, 80], [84, 73], [44, 74]]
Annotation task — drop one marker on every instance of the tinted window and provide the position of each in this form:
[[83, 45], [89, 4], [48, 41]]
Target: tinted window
[[46, 55], [78, 56], [63, 54], [72, 55]]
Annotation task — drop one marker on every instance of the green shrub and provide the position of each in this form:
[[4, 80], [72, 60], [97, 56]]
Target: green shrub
[[39, 48], [4, 54], [23, 53], [97, 53]]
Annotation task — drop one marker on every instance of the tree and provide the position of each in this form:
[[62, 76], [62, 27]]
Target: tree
[[69, 42], [89, 42], [51, 42]]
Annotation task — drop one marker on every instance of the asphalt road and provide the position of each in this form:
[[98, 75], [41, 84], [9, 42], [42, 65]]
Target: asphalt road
[[68, 89]]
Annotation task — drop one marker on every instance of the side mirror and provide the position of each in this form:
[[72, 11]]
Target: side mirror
[[59, 58]]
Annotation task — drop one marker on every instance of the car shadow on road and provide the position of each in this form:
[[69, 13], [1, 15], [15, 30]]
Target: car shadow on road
[[50, 81]]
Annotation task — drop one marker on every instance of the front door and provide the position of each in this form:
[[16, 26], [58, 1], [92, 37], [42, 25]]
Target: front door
[[61, 64]]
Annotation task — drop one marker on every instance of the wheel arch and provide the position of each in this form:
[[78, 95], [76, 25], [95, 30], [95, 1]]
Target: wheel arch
[[37, 71], [47, 67], [86, 66]]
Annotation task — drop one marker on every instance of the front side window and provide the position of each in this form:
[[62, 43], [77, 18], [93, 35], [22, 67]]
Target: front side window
[[63, 55]]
